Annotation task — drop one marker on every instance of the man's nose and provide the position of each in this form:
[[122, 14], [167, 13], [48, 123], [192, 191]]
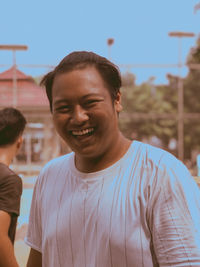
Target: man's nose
[[79, 115]]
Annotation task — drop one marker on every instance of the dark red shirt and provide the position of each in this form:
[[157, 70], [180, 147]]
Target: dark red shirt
[[10, 195]]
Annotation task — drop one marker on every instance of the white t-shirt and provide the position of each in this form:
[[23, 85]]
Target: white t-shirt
[[142, 211]]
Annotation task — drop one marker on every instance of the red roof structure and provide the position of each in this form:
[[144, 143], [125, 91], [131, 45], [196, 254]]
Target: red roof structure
[[29, 94]]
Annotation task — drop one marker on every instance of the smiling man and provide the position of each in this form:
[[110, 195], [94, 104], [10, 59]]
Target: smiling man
[[112, 202], [85, 116]]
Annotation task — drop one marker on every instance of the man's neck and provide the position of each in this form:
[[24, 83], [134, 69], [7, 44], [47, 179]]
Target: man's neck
[[93, 165], [6, 156]]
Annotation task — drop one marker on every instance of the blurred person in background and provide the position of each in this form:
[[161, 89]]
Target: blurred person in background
[[112, 202], [12, 124]]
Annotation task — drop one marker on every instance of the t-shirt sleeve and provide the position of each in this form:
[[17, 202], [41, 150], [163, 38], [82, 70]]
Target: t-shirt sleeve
[[10, 194], [174, 218], [34, 233]]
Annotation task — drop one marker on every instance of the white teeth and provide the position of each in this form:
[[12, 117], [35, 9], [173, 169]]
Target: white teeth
[[82, 132]]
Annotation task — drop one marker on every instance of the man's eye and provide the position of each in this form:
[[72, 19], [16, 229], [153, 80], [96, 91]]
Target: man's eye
[[91, 102], [65, 108]]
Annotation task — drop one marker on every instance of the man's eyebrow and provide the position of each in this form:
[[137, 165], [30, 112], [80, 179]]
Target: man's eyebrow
[[60, 101], [91, 95], [65, 101]]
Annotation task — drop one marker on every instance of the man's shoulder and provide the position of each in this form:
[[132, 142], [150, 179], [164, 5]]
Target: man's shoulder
[[59, 160], [164, 164], [10, 189], [155, 156], [54, 169], [57, 164], [5, 171], [162, 168]]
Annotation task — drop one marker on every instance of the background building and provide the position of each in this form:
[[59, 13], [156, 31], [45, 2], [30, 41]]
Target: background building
[[41, 142]]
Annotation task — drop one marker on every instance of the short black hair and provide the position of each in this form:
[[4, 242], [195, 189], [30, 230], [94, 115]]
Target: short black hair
[[81, 59], [12, 124]]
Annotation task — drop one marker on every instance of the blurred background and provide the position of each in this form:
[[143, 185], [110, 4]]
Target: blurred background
[[155, 44]]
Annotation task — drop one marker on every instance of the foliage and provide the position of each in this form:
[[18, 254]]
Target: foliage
[[192, 102], [192, 82], [148, 98], [128, 79]]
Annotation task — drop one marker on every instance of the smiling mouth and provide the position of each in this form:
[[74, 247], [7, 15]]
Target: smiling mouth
[[84, 132]]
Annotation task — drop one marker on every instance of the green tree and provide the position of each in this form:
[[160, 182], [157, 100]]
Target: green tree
[[148, 98], [192, 102]]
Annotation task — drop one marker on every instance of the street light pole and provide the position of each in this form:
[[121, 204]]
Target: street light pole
[[14, 48], [110, 42], [180, 35]]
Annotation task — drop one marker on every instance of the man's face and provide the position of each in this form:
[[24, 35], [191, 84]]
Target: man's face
[[83, 112]]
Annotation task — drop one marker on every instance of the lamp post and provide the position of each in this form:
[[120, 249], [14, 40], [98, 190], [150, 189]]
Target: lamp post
[[180, 35], [110, 42], [14, 48]]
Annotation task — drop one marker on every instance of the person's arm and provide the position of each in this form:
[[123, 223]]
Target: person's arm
[[7, 257], [34, 233], [35, 259], [175, 217]]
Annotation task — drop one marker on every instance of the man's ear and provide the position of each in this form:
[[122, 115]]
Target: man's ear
[[118, 105], [19, 142]]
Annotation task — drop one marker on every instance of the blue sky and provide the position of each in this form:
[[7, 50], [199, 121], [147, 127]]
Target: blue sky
[[140, 28]]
